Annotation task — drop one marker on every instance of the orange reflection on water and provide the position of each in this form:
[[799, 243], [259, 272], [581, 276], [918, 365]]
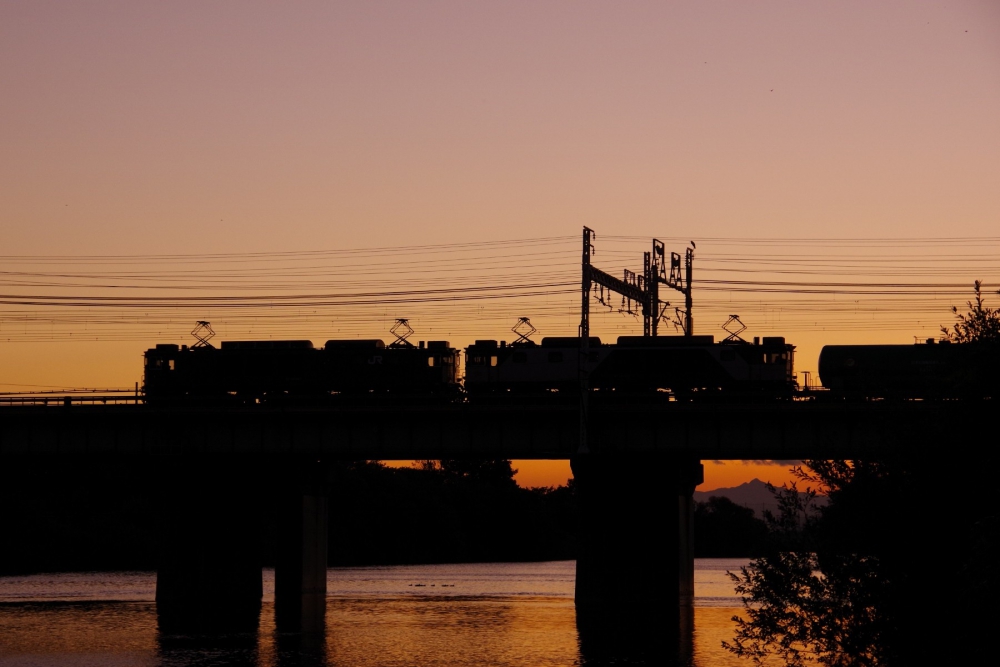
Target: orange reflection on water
[[61, 632], [429, 631], [512, 615]]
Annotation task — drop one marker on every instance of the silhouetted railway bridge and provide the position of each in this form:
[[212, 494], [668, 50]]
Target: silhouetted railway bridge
[[709, 430], [635, 476]]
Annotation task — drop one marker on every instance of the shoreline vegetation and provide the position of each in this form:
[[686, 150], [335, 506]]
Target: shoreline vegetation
[[849, 584]]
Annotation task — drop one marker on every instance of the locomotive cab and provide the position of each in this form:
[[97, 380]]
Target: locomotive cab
[[776, 362], [159, 375]]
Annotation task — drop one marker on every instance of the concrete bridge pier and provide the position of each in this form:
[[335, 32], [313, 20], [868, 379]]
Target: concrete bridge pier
[[301, 555], [209, 573], [635, 570]]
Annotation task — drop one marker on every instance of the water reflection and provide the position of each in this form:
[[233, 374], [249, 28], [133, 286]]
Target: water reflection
[[453, 631], [50, 632], [208, 650], [667, 638], [509, 615], [223, 620], [295, 649]]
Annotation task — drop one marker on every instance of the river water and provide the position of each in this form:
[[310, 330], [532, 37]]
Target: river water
[[504, 614]]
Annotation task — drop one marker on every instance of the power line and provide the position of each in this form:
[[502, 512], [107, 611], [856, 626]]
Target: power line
[[478, 289]]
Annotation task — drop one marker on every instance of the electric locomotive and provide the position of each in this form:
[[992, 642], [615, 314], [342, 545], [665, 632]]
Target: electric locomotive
[[525, 367], [275, 370], [683, 366]]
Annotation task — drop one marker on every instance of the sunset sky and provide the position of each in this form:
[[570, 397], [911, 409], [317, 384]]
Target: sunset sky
[[150, 147]]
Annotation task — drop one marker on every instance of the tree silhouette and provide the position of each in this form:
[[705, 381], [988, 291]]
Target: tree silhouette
[[486, 472], [723, 529], [826, 590], [979, 325], [849, 583], [976, 366]]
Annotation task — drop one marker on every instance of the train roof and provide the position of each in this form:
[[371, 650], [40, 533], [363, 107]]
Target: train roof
[[267, 345], [569, 341], [355, 344], [665, 341]]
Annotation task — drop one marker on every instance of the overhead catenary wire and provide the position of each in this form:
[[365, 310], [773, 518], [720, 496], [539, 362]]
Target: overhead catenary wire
[[468, 290]]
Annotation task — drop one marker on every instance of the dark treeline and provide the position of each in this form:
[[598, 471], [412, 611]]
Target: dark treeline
[[444, 512], [84, 515], [65, 515], [723, 529], [87, 515]]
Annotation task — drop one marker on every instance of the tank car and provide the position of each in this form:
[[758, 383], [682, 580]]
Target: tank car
[[254, 371], [681, 365], [923, 370]]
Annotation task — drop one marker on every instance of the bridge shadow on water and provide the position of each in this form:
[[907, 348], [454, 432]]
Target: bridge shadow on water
[[664, 640], [208, 649], [256, 643]]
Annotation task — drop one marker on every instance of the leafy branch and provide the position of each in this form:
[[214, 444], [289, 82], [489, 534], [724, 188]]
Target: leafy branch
[[980, 325]]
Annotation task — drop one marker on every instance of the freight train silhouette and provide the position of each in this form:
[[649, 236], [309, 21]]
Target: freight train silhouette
[[667, 367], [255, 371]]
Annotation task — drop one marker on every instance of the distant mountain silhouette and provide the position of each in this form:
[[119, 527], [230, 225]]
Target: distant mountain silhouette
[[752, 494]]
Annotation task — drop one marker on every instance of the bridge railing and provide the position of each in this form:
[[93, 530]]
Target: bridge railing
[[69, 399]]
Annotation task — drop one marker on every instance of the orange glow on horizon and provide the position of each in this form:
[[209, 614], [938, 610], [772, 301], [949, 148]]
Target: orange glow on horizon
[[718, 474]]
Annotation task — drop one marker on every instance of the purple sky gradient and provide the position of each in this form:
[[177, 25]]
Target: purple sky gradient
[[255, 125]]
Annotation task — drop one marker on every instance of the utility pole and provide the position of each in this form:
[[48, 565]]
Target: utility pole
[[689, 270], [584, 351], [681, 281], [585, 282], [657, 274], [644, 290], [650, 307]]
